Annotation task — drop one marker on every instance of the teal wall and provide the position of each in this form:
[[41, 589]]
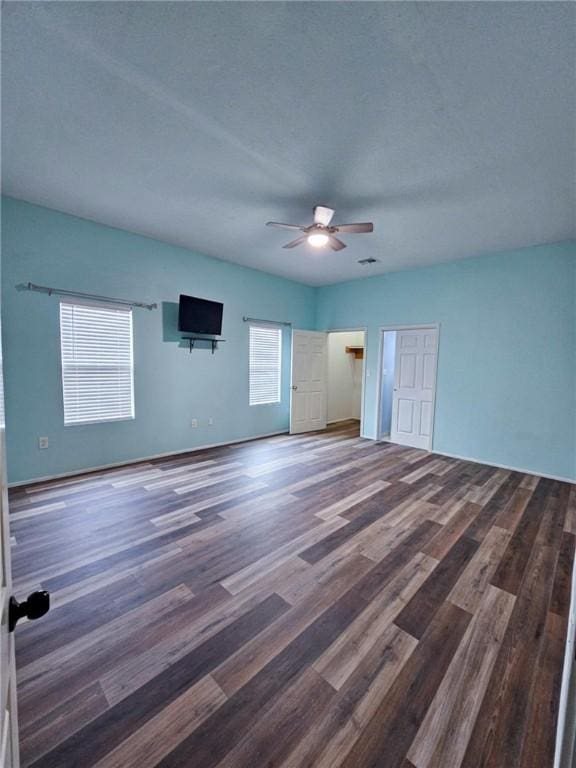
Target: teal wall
[[506, 391], [506, 370], [171, 385]]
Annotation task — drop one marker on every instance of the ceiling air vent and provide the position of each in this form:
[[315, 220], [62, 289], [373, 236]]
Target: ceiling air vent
[[367, 261]]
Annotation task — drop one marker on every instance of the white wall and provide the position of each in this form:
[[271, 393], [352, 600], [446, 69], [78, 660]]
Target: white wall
[[344, 376]]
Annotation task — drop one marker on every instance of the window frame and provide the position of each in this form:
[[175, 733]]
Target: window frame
[[279, 331], [98, 305]]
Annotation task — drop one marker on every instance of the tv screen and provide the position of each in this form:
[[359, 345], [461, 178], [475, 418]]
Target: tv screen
[[200, 316]]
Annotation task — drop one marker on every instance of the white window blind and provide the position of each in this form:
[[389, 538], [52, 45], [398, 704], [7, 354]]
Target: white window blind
[[265, 364], [97, 363]]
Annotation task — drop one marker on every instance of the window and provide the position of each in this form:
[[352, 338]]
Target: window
[[97, 364], [265, 364]]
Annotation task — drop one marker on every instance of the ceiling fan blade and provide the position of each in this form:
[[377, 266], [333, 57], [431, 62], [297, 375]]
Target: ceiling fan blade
[[335, 244], [279, 225], [323, 215], [294, 243], [365, 227]]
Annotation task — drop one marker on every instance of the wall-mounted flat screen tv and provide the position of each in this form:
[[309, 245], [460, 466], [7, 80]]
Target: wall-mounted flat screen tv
[[200, 316]]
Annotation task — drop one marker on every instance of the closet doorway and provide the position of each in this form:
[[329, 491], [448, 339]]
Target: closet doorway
[[345, 373], [407, 385]]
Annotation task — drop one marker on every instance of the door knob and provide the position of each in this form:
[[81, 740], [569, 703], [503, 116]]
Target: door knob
[[294, 386], [37, 604]]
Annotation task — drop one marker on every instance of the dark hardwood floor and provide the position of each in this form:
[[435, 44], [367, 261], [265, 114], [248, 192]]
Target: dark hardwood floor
[[316, 600]]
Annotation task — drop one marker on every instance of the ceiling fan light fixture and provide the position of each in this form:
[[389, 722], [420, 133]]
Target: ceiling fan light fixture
[[318, 239], [321, 232]]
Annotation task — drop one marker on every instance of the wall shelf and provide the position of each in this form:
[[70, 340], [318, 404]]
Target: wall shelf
[[193, 339], [358, 352]]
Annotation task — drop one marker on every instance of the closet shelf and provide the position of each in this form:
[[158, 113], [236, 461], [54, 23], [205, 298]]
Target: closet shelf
[[358, 352]]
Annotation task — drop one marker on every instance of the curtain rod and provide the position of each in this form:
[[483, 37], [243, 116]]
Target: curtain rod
[[92, 296], [259, 320]]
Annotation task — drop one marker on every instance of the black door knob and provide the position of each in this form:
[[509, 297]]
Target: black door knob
[[37, 604]]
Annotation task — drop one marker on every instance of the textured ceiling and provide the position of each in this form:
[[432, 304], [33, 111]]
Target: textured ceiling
[[450, 125]]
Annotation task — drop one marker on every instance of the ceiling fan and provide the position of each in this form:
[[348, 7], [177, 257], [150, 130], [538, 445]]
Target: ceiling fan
[[321, 232]]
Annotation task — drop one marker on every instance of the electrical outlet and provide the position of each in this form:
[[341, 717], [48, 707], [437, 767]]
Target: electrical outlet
[[194, 423], [42, 443], [210, 422]]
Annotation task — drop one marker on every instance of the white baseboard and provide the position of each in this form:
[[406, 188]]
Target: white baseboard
[[386, 438], [572, 480], [143, 459]]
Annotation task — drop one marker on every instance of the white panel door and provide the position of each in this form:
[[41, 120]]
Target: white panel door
[[8, 716], [414, 387], [308, 384]]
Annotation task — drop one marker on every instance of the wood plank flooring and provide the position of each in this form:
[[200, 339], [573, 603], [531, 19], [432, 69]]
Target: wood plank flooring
[[310, 601]]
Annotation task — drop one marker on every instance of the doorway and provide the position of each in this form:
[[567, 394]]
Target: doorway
[[407, 385], [327, 378], [345, 376]]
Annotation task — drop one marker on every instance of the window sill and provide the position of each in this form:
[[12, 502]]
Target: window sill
[[99, 421]]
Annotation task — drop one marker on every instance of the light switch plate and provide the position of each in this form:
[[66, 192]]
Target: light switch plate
[[42, 443]]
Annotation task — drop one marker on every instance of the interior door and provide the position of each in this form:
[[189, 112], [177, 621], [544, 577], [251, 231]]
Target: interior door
[[308, 384], [414, 387], [9, 756]]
